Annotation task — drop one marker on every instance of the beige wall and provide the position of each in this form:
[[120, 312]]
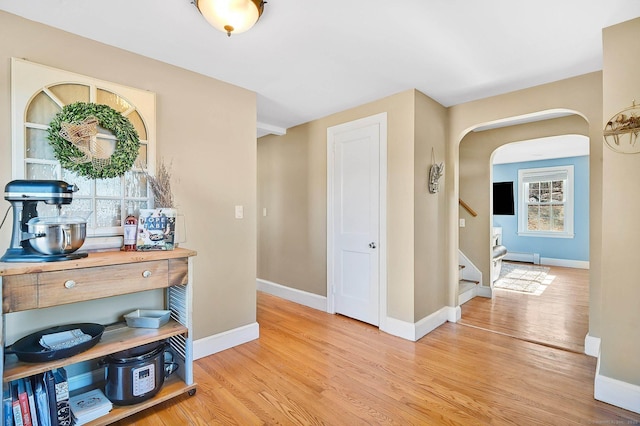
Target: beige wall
[[476, 151], [292, 186], [620, 345], [430, 209], [583, 96], [204, 126]]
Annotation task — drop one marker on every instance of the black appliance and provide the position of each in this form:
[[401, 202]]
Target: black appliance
[[137, 374], [24, 196]]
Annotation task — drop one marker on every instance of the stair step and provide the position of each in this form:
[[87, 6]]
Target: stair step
[[466, 285]]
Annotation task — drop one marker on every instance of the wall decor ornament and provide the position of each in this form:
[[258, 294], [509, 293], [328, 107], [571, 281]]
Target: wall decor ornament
[[435, 173], [73, 135], [622, 130]]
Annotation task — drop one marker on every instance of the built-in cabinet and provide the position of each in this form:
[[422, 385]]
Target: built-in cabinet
[[30, 286]]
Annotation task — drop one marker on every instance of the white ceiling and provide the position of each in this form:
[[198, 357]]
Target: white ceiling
[[306, 60], [542, 149]]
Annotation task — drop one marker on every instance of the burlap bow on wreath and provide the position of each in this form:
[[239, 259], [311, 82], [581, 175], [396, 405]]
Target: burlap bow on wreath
[[73, 136]]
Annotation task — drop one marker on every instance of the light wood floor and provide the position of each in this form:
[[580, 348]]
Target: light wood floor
[[558, 317], [309, 367]]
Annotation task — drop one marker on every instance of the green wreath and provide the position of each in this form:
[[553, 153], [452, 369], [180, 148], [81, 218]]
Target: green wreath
[[127, 142]]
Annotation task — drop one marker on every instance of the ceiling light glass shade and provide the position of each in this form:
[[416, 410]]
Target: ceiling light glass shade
[[231, 16]]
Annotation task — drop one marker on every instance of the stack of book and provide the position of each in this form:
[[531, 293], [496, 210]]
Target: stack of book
[[41, 400], [44, 400], [89, 406]]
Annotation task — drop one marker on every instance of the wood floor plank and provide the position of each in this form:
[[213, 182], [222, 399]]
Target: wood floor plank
[[312, 368], [559, 317]]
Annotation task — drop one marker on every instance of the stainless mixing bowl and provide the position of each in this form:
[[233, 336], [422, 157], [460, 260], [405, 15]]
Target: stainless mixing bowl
[[58, 235]]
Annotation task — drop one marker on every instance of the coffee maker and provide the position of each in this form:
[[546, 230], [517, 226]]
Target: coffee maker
[[24, 196]]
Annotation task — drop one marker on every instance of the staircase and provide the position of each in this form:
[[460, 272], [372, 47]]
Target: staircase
[[467, 289]]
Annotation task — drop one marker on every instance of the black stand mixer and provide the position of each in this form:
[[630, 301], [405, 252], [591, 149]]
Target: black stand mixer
[[24, 196]]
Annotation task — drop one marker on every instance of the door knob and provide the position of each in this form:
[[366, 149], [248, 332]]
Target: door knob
[[372, 245]]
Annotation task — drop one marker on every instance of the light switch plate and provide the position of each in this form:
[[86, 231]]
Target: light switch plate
[[462, 223], [239, 212]]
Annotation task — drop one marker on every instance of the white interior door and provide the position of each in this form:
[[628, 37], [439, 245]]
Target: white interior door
[[356, 220]]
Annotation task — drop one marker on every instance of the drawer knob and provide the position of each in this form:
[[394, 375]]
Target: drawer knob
[[70, 284], [146, 274]]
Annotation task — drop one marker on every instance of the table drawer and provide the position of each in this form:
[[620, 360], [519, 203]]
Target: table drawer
[[70, 286], [19, 292]]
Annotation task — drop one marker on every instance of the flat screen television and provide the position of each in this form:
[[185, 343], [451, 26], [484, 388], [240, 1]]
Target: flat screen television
[[503, 198]]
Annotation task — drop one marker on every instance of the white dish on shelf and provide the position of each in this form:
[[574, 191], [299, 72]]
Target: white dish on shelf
[[147, 318]]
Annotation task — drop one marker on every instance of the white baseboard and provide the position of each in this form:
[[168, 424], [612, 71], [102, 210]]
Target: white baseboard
[[468, 295], [228, 339], [616, 392], [567, 263], [429, 323], [550, 261], [414, 332], [592, 346], [523, 257], [399, 328], [294, 295], [454, 313], [484, 291]]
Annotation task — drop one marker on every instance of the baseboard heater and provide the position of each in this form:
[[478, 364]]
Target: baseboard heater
[[523, 257]]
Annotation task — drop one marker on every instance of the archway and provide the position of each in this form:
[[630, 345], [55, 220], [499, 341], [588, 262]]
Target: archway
[[475, 180]]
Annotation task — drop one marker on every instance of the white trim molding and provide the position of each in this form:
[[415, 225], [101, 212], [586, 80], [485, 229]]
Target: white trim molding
[[485, 291], [269, 129], [225, 340], [293, 294], [454, 314], [426, 325], [522, 257], [548, 261], [592, 346], [546, 174], [393, 326], [567, 263], [616, 392], [464, 297]]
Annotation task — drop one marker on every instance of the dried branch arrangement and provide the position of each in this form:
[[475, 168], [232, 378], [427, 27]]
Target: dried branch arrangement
[[161, 186]]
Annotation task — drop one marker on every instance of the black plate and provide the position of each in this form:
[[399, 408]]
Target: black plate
[[28, 348]]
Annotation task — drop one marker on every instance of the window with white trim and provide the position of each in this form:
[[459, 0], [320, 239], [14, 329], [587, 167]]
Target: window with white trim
[[545, 201], [38, 94]]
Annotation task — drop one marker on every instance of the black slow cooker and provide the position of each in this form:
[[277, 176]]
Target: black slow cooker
[[136, 374]]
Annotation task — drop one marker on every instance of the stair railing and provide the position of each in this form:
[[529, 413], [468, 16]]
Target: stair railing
[[471, 211]]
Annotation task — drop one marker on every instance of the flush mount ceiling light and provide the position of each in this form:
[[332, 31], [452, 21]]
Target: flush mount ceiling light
[[231, 16]]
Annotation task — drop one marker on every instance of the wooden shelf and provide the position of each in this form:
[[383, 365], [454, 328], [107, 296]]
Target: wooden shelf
[[31, 286], [173, 386], [113, 340], [94, 259]]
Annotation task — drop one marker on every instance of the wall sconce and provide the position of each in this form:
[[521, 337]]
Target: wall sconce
[[622, 130], [435, 173], [231, 16]]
